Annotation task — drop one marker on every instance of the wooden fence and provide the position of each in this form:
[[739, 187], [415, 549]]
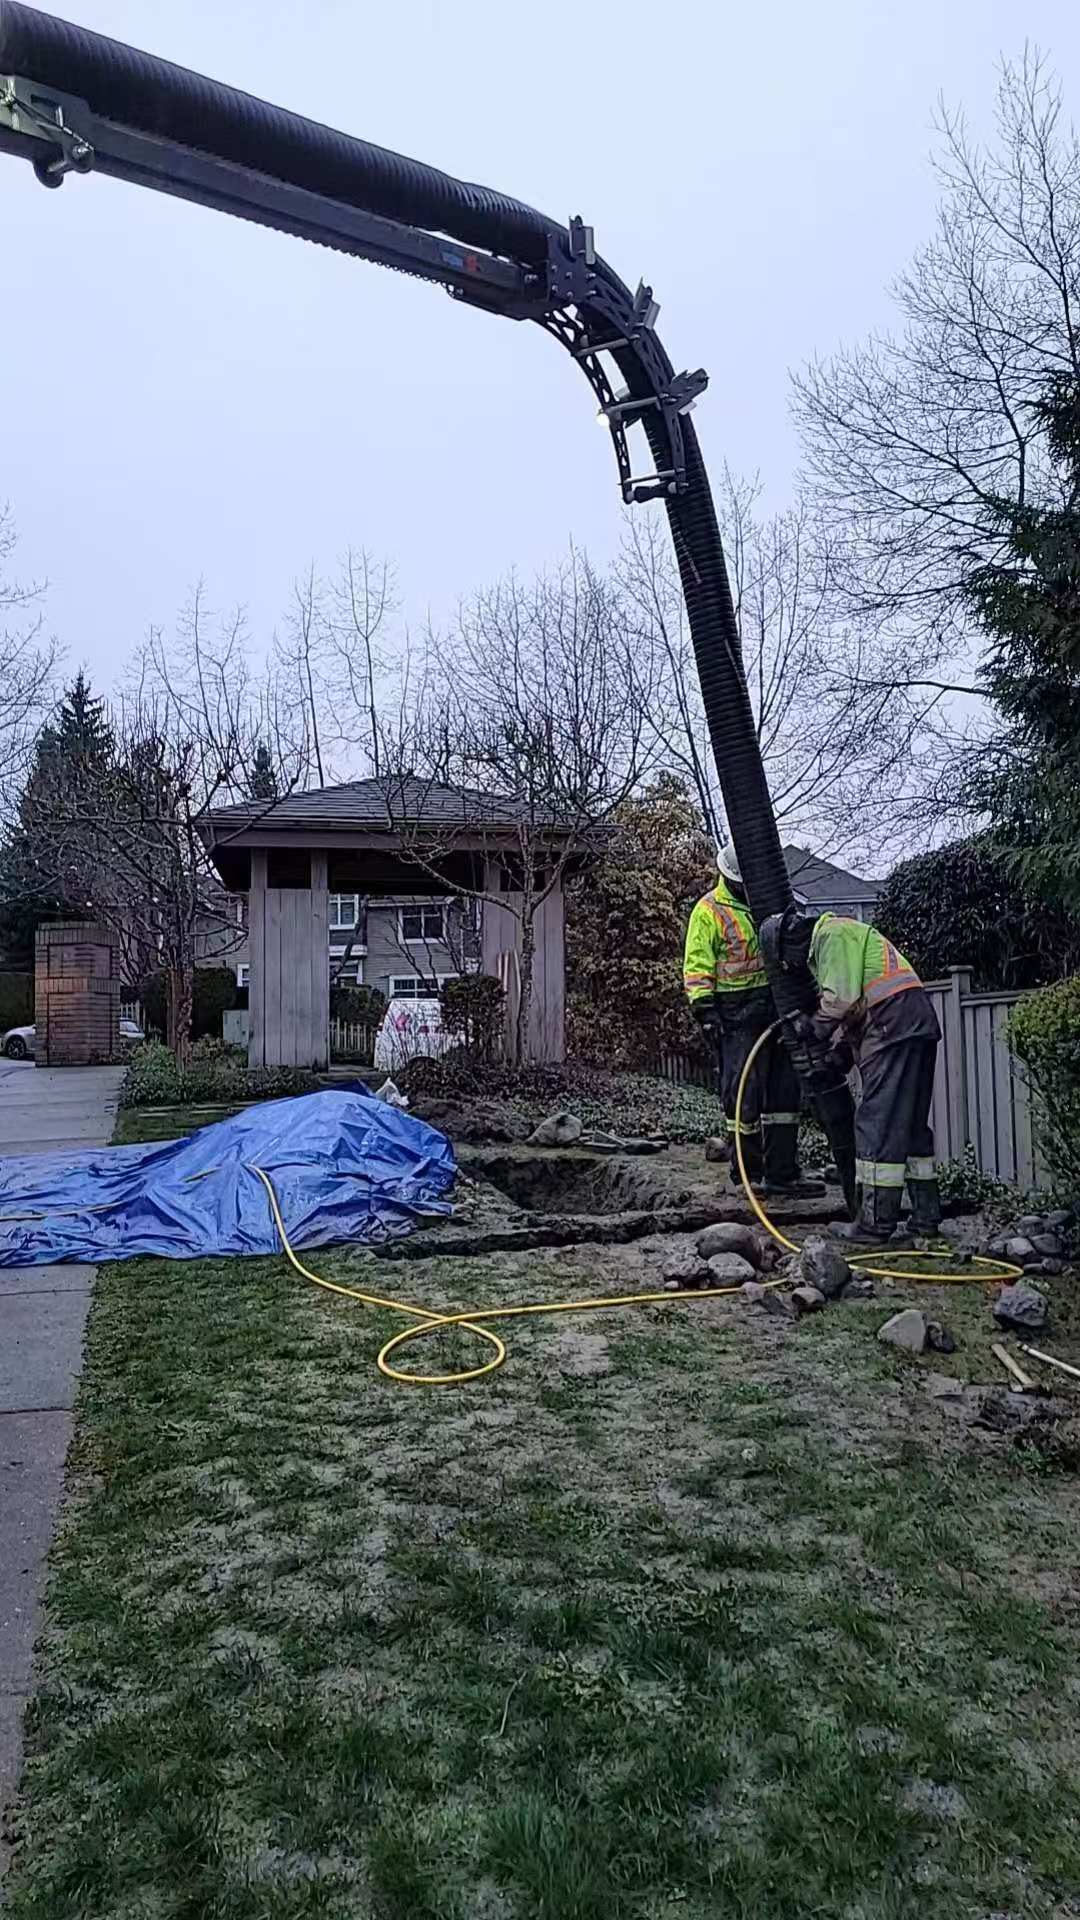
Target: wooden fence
[[980, 1094], [687, 1070], [981, 1097], [352, 1040]]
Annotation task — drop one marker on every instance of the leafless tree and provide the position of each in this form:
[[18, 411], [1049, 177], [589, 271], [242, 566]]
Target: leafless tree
[[185, 731], [533, 711], [27, 662], [841, 729], [912, 436], [299, 655], [331, 654], [360, 601]]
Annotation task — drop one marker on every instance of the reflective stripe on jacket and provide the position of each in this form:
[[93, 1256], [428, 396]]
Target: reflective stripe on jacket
[[855, 967], [722, 953]]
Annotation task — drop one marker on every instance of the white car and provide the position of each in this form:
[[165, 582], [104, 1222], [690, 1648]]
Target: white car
[[18, 1042], [408, 1028]]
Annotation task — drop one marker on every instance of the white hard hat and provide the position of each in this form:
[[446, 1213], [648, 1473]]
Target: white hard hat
[[728, 862]]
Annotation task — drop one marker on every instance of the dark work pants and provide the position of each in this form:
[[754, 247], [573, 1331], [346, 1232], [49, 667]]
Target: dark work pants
[[770, 1108], [897, 1055]]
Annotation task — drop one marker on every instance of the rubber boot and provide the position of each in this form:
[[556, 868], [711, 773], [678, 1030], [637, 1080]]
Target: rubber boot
[[751, 1146], [783, 1179], [925, 1197], [879, 1218]]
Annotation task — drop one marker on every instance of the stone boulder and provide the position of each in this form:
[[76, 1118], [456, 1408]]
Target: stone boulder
[[686, 1272], [1019, 1250], [823, 1266], [806, 1300], [907, 1330], [1047, 1245], [729, 1269], [1021, 1306], [769, 1299], [558, 1130], [729, 1236]]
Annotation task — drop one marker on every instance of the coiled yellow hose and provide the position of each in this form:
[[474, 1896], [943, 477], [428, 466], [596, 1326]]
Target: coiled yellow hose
[[475, 1319]]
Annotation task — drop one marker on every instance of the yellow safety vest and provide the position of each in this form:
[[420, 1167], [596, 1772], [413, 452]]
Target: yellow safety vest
[[722, 953]]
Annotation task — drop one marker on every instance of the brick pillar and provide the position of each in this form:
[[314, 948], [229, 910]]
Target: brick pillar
[[76, 996]]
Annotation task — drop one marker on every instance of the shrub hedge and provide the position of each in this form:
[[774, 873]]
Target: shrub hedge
[[1044, 1034]]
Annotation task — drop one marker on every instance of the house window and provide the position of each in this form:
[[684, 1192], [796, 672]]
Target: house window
[[344, 911], [243, 972], [421, 923], [412, 986], [405, 986], [346, 973]]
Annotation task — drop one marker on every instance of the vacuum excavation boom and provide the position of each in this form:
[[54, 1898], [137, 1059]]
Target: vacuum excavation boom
[[75, 102]]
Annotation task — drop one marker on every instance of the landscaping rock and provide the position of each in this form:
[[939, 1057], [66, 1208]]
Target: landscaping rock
[[1060, 1220], [769, 1299], [861, 1287], [729, 1270], [558, 1130], [1021, 1306], [716, 1147], [907, 1330], [728, 1236], [939, 1339], [1048, 1245], [1047, 1267], [1018, 1250], [686, 1272], [823, 1266], [806, 1300], [1030, 1223], [967, 1229]]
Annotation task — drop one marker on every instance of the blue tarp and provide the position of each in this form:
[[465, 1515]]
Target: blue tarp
[[345, 1167]]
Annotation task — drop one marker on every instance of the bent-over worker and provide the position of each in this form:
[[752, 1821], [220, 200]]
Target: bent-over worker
[[729, 996], [872, 1000]]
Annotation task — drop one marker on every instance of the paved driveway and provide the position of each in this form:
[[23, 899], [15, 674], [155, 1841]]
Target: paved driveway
[[42, 1318]]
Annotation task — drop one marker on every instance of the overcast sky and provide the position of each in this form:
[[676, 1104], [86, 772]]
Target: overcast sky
[[185, 395]]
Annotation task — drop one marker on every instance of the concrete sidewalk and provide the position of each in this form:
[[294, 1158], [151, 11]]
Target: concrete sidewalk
[[42, 1319]]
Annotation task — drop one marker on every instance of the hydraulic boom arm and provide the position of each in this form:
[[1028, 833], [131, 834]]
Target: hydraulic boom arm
[[75, 102]]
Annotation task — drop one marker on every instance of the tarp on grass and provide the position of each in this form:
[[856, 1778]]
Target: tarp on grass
[[344, 1166]]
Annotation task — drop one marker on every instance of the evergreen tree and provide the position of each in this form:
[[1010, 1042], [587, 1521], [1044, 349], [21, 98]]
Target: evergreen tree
[[1028, 601], [962, 905], [38, 880]]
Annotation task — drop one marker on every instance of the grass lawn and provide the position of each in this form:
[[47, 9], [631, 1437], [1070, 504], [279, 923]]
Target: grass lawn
[[684, 1613], [138, 1125]]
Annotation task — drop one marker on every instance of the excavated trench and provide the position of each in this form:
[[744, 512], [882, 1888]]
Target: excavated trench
[[513, 1200], [579, 1183]]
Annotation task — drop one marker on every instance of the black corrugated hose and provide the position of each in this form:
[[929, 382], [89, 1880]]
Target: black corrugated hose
[[139, 90]]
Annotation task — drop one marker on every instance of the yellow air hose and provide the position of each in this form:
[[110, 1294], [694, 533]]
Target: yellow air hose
[[475, 1319], [999, 1269]]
